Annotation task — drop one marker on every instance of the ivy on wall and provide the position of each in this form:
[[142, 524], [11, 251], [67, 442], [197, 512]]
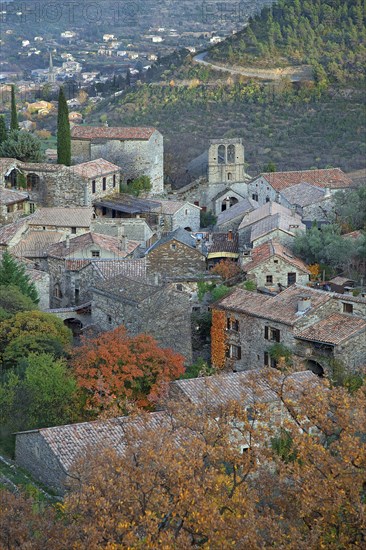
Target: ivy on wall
[[218, 338]]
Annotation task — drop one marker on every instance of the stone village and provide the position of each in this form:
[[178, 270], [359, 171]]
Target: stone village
[[101, 257]]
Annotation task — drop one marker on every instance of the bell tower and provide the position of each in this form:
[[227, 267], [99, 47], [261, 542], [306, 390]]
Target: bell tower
[[226, 161]]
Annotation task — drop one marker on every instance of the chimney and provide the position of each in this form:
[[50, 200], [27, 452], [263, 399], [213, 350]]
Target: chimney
[[67, 241], [278, 198], [327, 193], [230, 235], [303, 304], [293, 210]]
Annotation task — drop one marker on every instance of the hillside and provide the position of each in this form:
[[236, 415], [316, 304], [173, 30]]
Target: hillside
[[329, 35], [308, 124]]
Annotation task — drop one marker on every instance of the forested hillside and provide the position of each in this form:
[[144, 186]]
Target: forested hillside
[[330, 35], [313, 123]]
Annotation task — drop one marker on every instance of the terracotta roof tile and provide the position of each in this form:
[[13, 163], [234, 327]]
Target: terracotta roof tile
[[104, 132], [334, 329], [63, 217], [95, 168], [36, 243], [9, 196], [77, 246], [269, 249], [7, 164], [282, 308], [333, 178], [245, 387], [9, 231]]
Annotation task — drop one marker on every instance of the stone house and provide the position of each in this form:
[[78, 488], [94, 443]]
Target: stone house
[[34, 245], [273, 266], [272, 221], [70, 221], [177, 253], [12, 233], [139, 151], [50, 454], [253, 323], [13, 204], [222, 246], [102, 178], [269, 186], [312, 203], [134, 229], [175, 214], [70, 267], [142, 307]]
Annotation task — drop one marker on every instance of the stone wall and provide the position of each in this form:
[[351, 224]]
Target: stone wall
[[166, 316], [229, 170], [283, 237], [68, 282], [112, 186], [188, 216], [175, 259], [259, 186], [34, 455]]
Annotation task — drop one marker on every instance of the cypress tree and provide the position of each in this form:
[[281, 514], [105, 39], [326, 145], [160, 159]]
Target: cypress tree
[[63, 131], [3, 132], [14, 273], [14, 116]]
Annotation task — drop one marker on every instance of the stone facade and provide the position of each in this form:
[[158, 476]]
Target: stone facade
[[135, 229], [35, 455], [137, 156], [162, 312], [175, 259], [275, 272]]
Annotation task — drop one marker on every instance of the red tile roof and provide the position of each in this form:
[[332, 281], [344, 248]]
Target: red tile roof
[[334, 329], [94, 168], [282, 308], [104, 132], [333, 178]]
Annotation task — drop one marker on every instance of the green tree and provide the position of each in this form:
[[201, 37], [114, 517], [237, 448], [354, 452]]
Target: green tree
[[14, 273], [27, 324], [13, 115], [350, 207], [3, 132], [63, 131], [22, 146], [12, 300], [44, 394], [137, 186]]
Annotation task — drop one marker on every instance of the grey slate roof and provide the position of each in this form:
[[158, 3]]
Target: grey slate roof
[[290, 224], [126, 288], [180, 235], [239, 209], [35, 244], [268, 209], [303, 194], [133, 269], [63, 217], [128, 204]]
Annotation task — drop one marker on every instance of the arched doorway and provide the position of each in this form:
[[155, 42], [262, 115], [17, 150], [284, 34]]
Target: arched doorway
[[75, 326], [315, 367], [188, 229], [11, 178]]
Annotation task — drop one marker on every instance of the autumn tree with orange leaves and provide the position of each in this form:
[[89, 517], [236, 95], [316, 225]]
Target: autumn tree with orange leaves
[[115, 369], [227, 269]]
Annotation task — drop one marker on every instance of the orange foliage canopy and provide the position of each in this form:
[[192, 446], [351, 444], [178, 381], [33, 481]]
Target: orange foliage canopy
[[115, 368], [226, 269]]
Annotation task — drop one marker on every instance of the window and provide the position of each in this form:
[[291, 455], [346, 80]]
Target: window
[[32, 207], [179, 286], [57, 291], [272, 334], [95, 254], [231, 154], [93, 186], [275, 261], [232, 324], [104, 184], [77, 296], [347, 308], [109, 319], [233, 352], [221, 154], [173, 246], [269, 279], [104, 211], [9, 208], [186, 212], [229, 176], [291, 279], [255, 197], [269, 361], [267, 199], [114, 180], [73, 230]]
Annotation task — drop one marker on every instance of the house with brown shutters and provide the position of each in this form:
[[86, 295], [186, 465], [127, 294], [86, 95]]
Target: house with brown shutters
[[138, 151], [102, 178], [317, 327]]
